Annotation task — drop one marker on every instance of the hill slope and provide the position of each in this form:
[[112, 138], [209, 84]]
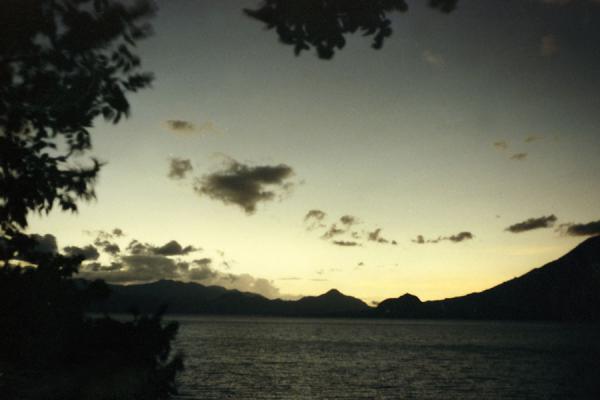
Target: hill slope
[[565, 289]]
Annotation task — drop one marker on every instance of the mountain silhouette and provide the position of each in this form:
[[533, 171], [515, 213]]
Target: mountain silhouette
[[565, 289], [194, 298]]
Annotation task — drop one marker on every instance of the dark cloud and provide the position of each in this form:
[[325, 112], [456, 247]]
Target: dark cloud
[[314, 218], [586, 229], [117, 232], [180, 126], [345, 243], [419, 239], [533, 223], [135, 268], [44, 244], [88, 252], [375, 236], [172, 248], [457, 238], [107, 246], [349, 220], [333, 231], [245, 186], [519, 156], [179, 168], [315, 214]]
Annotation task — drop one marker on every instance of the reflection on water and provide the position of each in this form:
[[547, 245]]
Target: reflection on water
[[276, 358]]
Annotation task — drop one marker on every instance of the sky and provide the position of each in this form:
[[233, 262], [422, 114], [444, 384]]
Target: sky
[[462, 154]]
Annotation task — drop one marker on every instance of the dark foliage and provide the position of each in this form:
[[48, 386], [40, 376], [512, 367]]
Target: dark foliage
[[323, 24], [63, 63]]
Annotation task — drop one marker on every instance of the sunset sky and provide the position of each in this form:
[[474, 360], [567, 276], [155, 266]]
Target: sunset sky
[[464, 125]]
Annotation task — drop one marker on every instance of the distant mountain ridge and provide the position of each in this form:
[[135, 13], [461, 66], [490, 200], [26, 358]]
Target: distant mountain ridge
[[565, 289], [194, 298]]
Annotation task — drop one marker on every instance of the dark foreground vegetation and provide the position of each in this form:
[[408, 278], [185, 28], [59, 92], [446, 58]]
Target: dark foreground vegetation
[[51, 350]]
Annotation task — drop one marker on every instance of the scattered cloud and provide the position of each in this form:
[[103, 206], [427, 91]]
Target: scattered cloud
[[532, 138], [435, 59], [501, 145], [313, 219], [342, 230], [246, 186], [186, 127], [107, 246], [333, 231], [585, 229], [549, 46], [180, 126], [146, 263], [171, 248], [457, 238], [519, 156], [345, 243], [45, 244], [349, 220], [375, 236], [179, 168], [533, 223], [88, 252]]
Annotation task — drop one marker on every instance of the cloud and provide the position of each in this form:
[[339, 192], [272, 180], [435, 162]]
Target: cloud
[[586, 229], [549, 46], [172, 248], [434, 59], [501, 145], [345, 243], [180, 126], [134, 268], [314, 219], [519, 156], [349, 220], [179, 168], [245, 186], [142, 262], [88, 252], [533, 223], [375, 236], [186, 127], [457, 238], [333, 231], [532, 138], [44, 244], [104, 240], [107, 246]]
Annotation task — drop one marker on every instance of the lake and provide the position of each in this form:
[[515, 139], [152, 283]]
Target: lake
[[287, 358]]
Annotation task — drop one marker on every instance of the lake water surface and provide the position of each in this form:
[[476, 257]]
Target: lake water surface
[[286, 358]]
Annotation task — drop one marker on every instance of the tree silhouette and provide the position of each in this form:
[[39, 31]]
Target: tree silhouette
[[323, 24], [63, 64]]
